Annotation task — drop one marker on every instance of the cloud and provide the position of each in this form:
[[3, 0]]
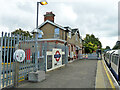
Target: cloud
[[16, 14], [26, 7], [109, 42], [90, 16], [69, 14], [3, 28]]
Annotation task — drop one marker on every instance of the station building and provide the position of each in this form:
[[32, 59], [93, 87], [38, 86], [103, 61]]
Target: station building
[[57, 34]]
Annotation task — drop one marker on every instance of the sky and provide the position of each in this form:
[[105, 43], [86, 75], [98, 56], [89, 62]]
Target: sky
[[98, 17]]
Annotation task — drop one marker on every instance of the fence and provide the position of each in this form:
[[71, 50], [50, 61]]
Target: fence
[[88, 56], [13, 73]]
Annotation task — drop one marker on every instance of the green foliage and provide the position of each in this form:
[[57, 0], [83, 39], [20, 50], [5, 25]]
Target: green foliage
[[21, 32], [117, 46], [107, 47], [91, 43]]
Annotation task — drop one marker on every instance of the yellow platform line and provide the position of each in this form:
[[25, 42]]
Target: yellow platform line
[[21, 77], [111, 83], [7, 47], [21, 80], [6, 63]]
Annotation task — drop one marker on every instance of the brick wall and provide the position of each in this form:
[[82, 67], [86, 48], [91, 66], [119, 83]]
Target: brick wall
[[48, 31], [73, 40]]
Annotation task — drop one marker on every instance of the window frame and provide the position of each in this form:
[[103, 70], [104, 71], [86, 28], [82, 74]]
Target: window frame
[[39, 36], [56, 34], [69, 34]]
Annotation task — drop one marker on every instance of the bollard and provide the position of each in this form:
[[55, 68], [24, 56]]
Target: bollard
[[83, 56], [86, 56]]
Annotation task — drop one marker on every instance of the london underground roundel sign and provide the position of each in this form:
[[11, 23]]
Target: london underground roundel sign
[[19, 55], [57, 56]]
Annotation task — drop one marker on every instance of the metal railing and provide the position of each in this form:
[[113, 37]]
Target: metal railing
[[12, 72]]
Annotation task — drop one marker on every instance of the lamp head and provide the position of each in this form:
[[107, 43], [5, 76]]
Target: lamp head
[[43, 2]]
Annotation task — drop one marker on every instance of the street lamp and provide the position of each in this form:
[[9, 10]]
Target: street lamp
[[42, 2]]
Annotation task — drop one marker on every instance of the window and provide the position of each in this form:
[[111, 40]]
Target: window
[[56, 34], [80, 40], [76, 37], [69, 34], [115, 60], [39, 35], [62, 34]]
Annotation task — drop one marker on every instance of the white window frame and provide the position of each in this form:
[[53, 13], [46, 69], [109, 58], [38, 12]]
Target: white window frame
[[69, 34], [56, 35]]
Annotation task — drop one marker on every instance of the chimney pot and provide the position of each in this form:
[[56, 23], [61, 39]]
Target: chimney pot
[[49, 16]]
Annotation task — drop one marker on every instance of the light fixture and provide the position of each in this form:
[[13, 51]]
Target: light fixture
[[43, 2]]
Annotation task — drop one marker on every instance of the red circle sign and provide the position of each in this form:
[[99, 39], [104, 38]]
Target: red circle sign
[[57, 56]]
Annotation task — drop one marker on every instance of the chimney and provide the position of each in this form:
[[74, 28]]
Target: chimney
[[49, 16]]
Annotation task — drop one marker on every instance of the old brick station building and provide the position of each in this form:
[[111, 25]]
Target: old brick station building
[[53, 32]]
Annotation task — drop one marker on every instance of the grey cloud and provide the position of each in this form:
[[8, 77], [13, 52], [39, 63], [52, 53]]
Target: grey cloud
[[17, 22], [113, 34], [96, 18], [99, 18], [26, 7]]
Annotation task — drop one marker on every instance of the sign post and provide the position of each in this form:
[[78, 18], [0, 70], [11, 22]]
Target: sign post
[[19, 56]]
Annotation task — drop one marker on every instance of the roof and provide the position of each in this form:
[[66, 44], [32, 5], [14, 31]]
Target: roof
[[59, 26], [74, 30], [47, 21], [68, 29]]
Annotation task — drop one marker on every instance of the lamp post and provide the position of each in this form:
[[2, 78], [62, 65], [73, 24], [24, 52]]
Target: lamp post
[[42, 2]]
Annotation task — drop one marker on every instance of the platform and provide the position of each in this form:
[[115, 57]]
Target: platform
[[78, 74], [104, 77]]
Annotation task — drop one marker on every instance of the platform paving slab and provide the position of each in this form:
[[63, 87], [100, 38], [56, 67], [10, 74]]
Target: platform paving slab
[[78, 74]]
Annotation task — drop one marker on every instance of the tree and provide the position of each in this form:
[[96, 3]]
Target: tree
[[21, 32], [91, 43], [107, 47], [117, 46]]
